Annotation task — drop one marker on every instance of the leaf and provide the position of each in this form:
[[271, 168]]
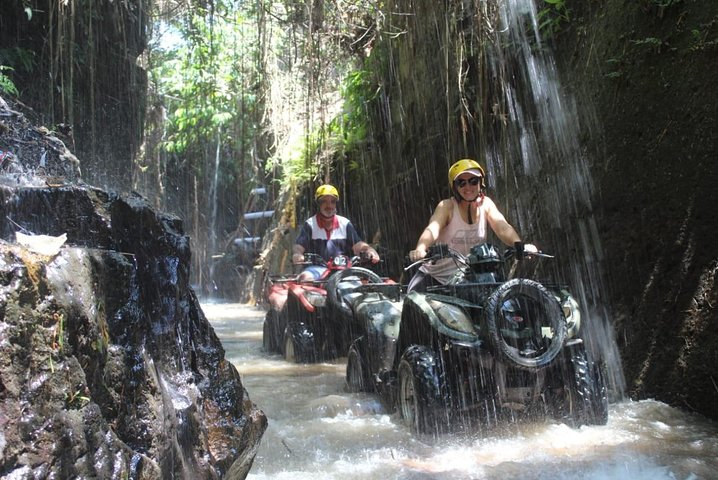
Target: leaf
[[7, 85], [42, 244], [221, 118]]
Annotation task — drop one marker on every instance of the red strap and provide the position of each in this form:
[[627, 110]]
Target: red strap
[[328, 224]]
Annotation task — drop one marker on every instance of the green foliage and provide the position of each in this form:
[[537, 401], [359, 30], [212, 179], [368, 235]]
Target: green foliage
[[205, 77], [350, 126], [699, 37], [12, 59], [76, 399], [6, 85], [18, 58], [210, 80], [664, 3], [552, 17], [616, 65], [297, 155], [343, 134], [650, 42], [348, 131]]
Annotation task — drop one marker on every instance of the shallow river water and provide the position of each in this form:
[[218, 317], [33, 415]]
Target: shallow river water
[[318, 431]]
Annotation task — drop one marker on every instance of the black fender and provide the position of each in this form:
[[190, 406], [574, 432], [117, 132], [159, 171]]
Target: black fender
[[333, 291]]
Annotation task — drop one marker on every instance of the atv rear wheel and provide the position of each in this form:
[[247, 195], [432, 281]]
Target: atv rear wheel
[[270, 332], [585, 397], [419, 398], [358, 378], [525, 324]]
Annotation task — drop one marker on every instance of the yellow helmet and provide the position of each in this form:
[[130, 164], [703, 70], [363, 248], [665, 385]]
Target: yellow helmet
[[462, 166], [326, 189]]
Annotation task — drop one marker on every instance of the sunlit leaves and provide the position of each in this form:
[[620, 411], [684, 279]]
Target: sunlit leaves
[[214, 66], [348, 130], [222, 118], [205, 74]]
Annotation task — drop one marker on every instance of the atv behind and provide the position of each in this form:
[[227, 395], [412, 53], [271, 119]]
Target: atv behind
[[309, 321]]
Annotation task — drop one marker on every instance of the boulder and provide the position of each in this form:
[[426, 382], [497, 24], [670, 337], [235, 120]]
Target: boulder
[[109, 368]]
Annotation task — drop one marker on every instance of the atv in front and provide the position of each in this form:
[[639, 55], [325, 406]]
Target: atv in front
[[485, 348]]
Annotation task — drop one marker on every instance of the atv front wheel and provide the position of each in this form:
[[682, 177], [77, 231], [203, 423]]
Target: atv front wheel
[[525, 324], [299, 345], [358, 378], [585, 397], [420, 401]]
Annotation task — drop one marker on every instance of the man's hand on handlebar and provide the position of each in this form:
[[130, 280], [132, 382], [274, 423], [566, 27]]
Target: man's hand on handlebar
[[307, 258], [369, 255]]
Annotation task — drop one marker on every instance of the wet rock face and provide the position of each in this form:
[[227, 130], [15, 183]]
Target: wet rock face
[[658, 183], [108, 366], [27, 150]]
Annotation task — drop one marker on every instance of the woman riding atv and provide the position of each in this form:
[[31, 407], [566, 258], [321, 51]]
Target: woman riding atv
[[460, 222], [328, 235]]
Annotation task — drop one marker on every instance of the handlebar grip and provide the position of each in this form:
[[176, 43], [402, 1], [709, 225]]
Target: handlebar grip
[[438, 250]]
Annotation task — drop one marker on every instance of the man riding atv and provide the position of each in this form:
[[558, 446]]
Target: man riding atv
[[328, 235], [308, 319]]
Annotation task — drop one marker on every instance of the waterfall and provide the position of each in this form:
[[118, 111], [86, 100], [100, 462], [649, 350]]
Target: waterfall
[[540, 142], [213, 197]]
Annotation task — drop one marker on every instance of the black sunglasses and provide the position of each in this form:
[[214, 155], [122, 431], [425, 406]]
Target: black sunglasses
[[473, 181]]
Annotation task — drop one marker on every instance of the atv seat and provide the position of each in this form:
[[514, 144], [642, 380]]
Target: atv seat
[[391, 290]]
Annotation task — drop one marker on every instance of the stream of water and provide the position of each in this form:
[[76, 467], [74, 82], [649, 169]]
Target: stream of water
[[318, 431]]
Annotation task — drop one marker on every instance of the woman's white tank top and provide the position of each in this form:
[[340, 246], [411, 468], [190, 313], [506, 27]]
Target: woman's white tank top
[[459, 236]]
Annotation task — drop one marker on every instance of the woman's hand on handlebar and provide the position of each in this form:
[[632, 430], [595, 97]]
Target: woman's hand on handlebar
[[530, 248], [521, 250], [417, 254]]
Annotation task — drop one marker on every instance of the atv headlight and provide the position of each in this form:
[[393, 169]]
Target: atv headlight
[[453, 317], [316, 299], [573, 315]]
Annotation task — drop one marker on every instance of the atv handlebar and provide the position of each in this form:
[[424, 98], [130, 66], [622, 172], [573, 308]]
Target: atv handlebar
[[312, 259], [519, 253], [340, 260], [440, 251], [436, 252]]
